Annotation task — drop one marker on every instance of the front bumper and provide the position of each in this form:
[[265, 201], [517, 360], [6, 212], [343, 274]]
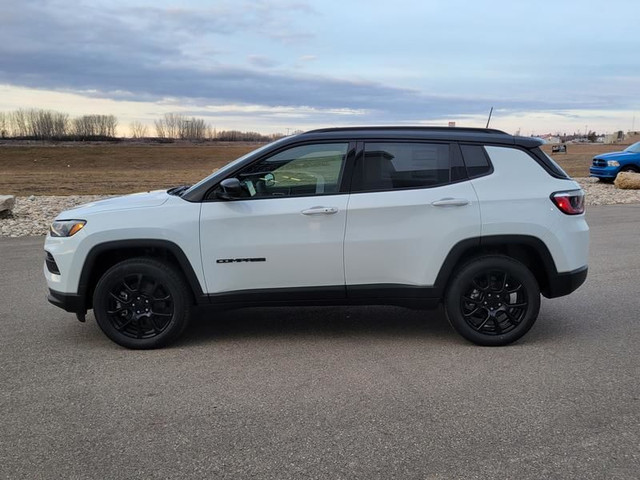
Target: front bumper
[[603, 172], [70, 302], [564, 283]]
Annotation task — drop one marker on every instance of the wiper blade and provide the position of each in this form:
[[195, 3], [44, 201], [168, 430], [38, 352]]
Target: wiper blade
[[178, 190]]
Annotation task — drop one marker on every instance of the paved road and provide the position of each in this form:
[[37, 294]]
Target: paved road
[[328, 392]]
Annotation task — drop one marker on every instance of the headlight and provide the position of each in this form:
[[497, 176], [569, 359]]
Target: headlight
[[66, 228], [613, 163]]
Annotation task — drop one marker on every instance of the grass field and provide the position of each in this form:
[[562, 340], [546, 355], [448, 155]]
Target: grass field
[[72, 169]]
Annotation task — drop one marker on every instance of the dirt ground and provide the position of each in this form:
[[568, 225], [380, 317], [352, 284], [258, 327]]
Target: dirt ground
[[73, 169]]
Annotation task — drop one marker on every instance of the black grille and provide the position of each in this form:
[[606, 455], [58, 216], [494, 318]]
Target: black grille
[[52, 266], [599, 163]]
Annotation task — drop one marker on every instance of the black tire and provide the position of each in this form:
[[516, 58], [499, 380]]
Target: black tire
[[492, 300], [630, 168], [142, 303]]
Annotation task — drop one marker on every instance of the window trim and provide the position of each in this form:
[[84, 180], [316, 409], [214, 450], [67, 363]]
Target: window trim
[[343, 189]]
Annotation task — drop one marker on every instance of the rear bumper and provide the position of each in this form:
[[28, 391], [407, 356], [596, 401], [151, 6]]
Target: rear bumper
[[67, 301], [564, 283]]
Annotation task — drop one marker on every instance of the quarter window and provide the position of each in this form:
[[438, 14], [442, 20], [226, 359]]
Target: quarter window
[[475, 158], [304, 170], [390, 166]]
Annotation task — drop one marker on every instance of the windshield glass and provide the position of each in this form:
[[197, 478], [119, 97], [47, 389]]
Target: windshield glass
[[635, 148], [232, 164]]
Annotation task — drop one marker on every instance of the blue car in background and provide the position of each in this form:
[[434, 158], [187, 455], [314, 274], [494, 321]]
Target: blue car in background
[[607, 165]]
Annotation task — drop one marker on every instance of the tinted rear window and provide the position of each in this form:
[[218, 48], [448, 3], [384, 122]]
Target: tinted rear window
[[392, 166], [476, 160]]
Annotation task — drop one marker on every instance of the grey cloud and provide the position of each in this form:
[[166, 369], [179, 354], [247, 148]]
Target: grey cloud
[[261, 61], [140, 56]]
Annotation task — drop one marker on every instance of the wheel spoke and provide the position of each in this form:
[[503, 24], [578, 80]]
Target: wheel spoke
[[513, 319], [504, 282], [117, 310], [162, 314], [118, 298], [484, 322], [120, 327], [478, 286], [155, 326], [471, 300], [516, 305], [471, 312], [496, 323], [139, 328]]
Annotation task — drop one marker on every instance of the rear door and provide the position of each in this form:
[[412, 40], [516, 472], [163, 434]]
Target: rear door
[[410, 204]]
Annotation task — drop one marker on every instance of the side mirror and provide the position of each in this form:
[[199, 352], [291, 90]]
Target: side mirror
[[231, 188]]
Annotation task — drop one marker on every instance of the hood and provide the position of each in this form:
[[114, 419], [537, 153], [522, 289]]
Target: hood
[[136, 200], [616, 156]]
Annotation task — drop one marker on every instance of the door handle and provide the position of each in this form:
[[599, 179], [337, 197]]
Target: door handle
[[450, 202], [320, 211]]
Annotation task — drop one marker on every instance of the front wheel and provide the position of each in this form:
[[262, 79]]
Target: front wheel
[[142, 303], [493, 300]]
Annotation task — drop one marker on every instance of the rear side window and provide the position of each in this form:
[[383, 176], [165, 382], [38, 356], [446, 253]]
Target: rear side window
[[395, 166], [476, 160]]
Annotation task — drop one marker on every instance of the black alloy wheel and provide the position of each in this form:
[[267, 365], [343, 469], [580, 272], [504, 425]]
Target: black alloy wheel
[[142, 303], [140, 306], [493, 300]]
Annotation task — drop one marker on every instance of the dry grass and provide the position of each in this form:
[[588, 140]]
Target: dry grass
[[73, 169], [107, 169]]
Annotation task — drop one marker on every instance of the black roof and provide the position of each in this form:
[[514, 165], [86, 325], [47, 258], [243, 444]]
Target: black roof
[[485, 135]]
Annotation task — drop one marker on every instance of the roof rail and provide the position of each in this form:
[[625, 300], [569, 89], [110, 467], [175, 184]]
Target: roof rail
[[417, 128]]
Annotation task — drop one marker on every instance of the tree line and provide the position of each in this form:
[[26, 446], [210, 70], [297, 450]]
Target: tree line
[[39, 124], [50, 125]]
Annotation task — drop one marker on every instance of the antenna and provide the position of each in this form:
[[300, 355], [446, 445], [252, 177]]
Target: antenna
[[489, 119]]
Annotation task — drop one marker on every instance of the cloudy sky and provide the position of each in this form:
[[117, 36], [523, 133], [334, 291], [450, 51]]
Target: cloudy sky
[[546, 66]]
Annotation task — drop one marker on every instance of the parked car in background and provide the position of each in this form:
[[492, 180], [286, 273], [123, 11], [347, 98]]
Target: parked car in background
[[606, 166]]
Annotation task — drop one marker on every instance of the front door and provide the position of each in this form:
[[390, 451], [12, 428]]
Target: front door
[[284, 232]]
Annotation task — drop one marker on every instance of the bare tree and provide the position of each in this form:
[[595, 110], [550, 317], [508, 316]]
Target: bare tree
[[138, 130], [5, 124], [193, 129], [169, 126], [176, 125], [19, 123], [95, 126]]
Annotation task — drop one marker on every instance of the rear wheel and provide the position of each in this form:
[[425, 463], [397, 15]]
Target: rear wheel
[[142, 303], [493, 300]]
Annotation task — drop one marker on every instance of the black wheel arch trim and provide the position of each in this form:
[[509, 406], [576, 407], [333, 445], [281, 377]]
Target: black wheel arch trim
[[557, 284], [149, 243]]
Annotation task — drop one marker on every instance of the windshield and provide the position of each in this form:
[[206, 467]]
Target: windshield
[[232, 164], [635, 148]]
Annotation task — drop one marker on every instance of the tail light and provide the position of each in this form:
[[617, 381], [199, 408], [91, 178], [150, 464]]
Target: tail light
[[570, 202]]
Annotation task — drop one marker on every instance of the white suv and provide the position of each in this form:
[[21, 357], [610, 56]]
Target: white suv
[[474, 218]]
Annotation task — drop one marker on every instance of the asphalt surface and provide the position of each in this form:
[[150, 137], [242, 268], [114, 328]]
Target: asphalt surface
[[363, 392]]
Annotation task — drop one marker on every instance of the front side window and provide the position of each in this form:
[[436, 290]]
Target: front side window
[[392, 166], [305, 170]]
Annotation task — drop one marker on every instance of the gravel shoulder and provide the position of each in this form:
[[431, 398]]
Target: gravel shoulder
[[32, 215]]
